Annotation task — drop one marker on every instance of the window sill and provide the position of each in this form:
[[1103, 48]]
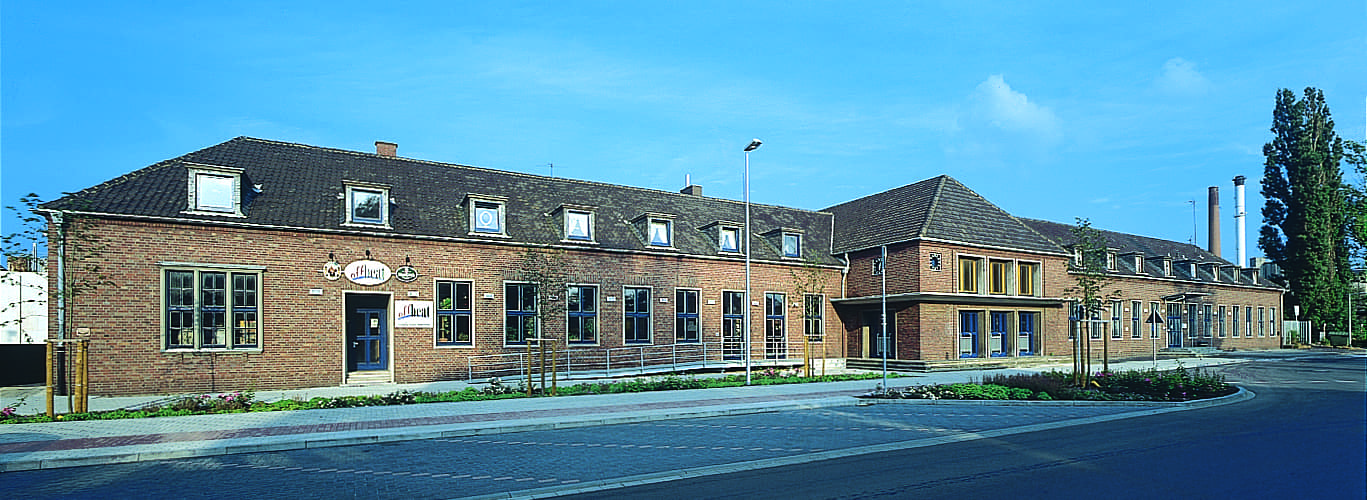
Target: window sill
[[215, 213], [367, 225], [453, 346], [490, 235], [216, 350]]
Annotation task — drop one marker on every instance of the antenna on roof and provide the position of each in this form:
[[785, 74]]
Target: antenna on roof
[[552, 167], [1193, 221]]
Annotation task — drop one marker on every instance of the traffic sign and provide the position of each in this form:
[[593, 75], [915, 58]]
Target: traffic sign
[[1154, 318]]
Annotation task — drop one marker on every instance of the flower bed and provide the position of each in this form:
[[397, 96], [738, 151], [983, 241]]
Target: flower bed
[[239, 402], [1181, 384]]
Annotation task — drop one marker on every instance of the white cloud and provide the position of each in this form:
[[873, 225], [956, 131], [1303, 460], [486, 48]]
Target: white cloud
[[1012, 111], [1181, 77]]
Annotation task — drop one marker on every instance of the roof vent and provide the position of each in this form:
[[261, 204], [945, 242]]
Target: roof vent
[[383, 148]]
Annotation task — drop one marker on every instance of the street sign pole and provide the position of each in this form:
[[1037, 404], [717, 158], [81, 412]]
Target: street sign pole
[[1153, 321]]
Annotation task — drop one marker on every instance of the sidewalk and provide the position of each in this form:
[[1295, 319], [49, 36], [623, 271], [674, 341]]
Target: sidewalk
[[71, 444]]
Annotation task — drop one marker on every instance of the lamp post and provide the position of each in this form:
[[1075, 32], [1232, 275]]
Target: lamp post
[[754, 144]]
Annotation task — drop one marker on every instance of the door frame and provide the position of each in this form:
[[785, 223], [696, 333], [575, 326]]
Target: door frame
[[387, 334]]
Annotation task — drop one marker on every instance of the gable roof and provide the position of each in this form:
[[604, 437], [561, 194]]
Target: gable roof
[[300, 187], [939, 208]]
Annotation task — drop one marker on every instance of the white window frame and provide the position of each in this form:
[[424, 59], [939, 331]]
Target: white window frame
[[501, 206], [650, 232], [195, 173], [721, 232], [783, 245], [588, 225], [349, 204]]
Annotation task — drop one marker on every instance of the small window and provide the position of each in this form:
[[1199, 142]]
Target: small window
[[970, 270], [578, 225], [997, 277], [1110, 261], [1025, 278], [877, 266], [487, 217], [1116, 316], [1135, 330], [936, 261], [366, 206], [792, 245], [1167, 268], [728, 239], [661, 233], [214, 192]]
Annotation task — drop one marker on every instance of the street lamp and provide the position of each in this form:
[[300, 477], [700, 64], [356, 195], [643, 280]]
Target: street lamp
[[754, 144]]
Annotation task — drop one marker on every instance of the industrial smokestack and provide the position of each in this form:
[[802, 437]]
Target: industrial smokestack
[[1239, 221], [1213, 221]]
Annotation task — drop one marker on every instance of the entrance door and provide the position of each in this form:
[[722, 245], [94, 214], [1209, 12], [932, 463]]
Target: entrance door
[[1174, 325], [1001, 322], [366, 349], [968, 334], [878, 339]]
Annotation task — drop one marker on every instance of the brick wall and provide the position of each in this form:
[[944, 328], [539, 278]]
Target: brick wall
[[302, 340]]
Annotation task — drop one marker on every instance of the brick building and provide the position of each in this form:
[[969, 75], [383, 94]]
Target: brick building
[[261, 264]]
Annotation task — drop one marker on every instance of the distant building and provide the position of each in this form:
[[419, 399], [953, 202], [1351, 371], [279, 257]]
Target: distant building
[[23, 301], [264, 264]]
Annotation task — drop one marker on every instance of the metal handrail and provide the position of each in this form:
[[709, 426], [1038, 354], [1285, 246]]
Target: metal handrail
[[587, 361]]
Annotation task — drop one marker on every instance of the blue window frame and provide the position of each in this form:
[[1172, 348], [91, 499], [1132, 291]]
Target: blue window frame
[[661, 232], [1001, 323], [519, 309], [686, 327], [582, 307], [1025, 333], [636, 306], [728, 239], [1135, 308], [968, 334], [733, 325], [454, 318]]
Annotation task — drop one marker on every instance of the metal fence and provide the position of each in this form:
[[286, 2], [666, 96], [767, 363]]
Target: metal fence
[[591, 361]]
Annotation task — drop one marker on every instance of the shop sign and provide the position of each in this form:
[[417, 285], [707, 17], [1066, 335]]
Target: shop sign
[[367, 272], [406, 274], [412, 314], [332, 270]]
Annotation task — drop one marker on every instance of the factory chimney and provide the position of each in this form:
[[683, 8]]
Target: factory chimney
[[1239, 221], [1213, 221]]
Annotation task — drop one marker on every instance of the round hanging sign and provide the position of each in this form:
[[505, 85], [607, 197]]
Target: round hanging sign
[[406, 274], [332, 271], [367, 272]]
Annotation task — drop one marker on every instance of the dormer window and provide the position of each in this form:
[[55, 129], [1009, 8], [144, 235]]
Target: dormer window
[[1167, 267], [578, 225], [1077, 256], [215, 189], [367, 204], [1138, 264], [792, 245], [1110, 261], [728, 239], [488, 215], [661, 233]]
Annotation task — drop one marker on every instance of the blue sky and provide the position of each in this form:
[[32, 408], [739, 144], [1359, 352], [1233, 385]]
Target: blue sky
[[1117, 113]]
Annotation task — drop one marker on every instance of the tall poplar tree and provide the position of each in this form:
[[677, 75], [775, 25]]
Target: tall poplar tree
[[1305, 221]]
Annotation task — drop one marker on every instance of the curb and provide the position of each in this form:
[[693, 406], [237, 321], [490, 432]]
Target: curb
[[348, 438]]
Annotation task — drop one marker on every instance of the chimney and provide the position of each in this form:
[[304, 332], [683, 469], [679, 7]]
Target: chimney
[[1239, 220], [690, 188], [383, 148], [1213, 222]]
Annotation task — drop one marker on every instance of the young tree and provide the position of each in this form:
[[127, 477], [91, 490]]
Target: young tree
[[1306, 226], [1089, 289], [79, 248]]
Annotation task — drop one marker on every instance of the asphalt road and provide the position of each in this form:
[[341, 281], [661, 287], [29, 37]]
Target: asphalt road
[[1303, 436]]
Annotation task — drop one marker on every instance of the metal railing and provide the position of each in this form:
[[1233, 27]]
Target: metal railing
[[592, 361]]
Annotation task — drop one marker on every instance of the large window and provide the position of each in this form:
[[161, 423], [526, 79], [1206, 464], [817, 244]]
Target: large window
[[1248, 321], [1025, 278], [686, 327], [1262, 325], [970, 271], [997, 277], [813, 313], [581, 307], [636, 305], [1220, 323], [1206, 321], [454, 319], [519, 313], [1272, 321], [208, 309], [1234, 322], [1193, 321]]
